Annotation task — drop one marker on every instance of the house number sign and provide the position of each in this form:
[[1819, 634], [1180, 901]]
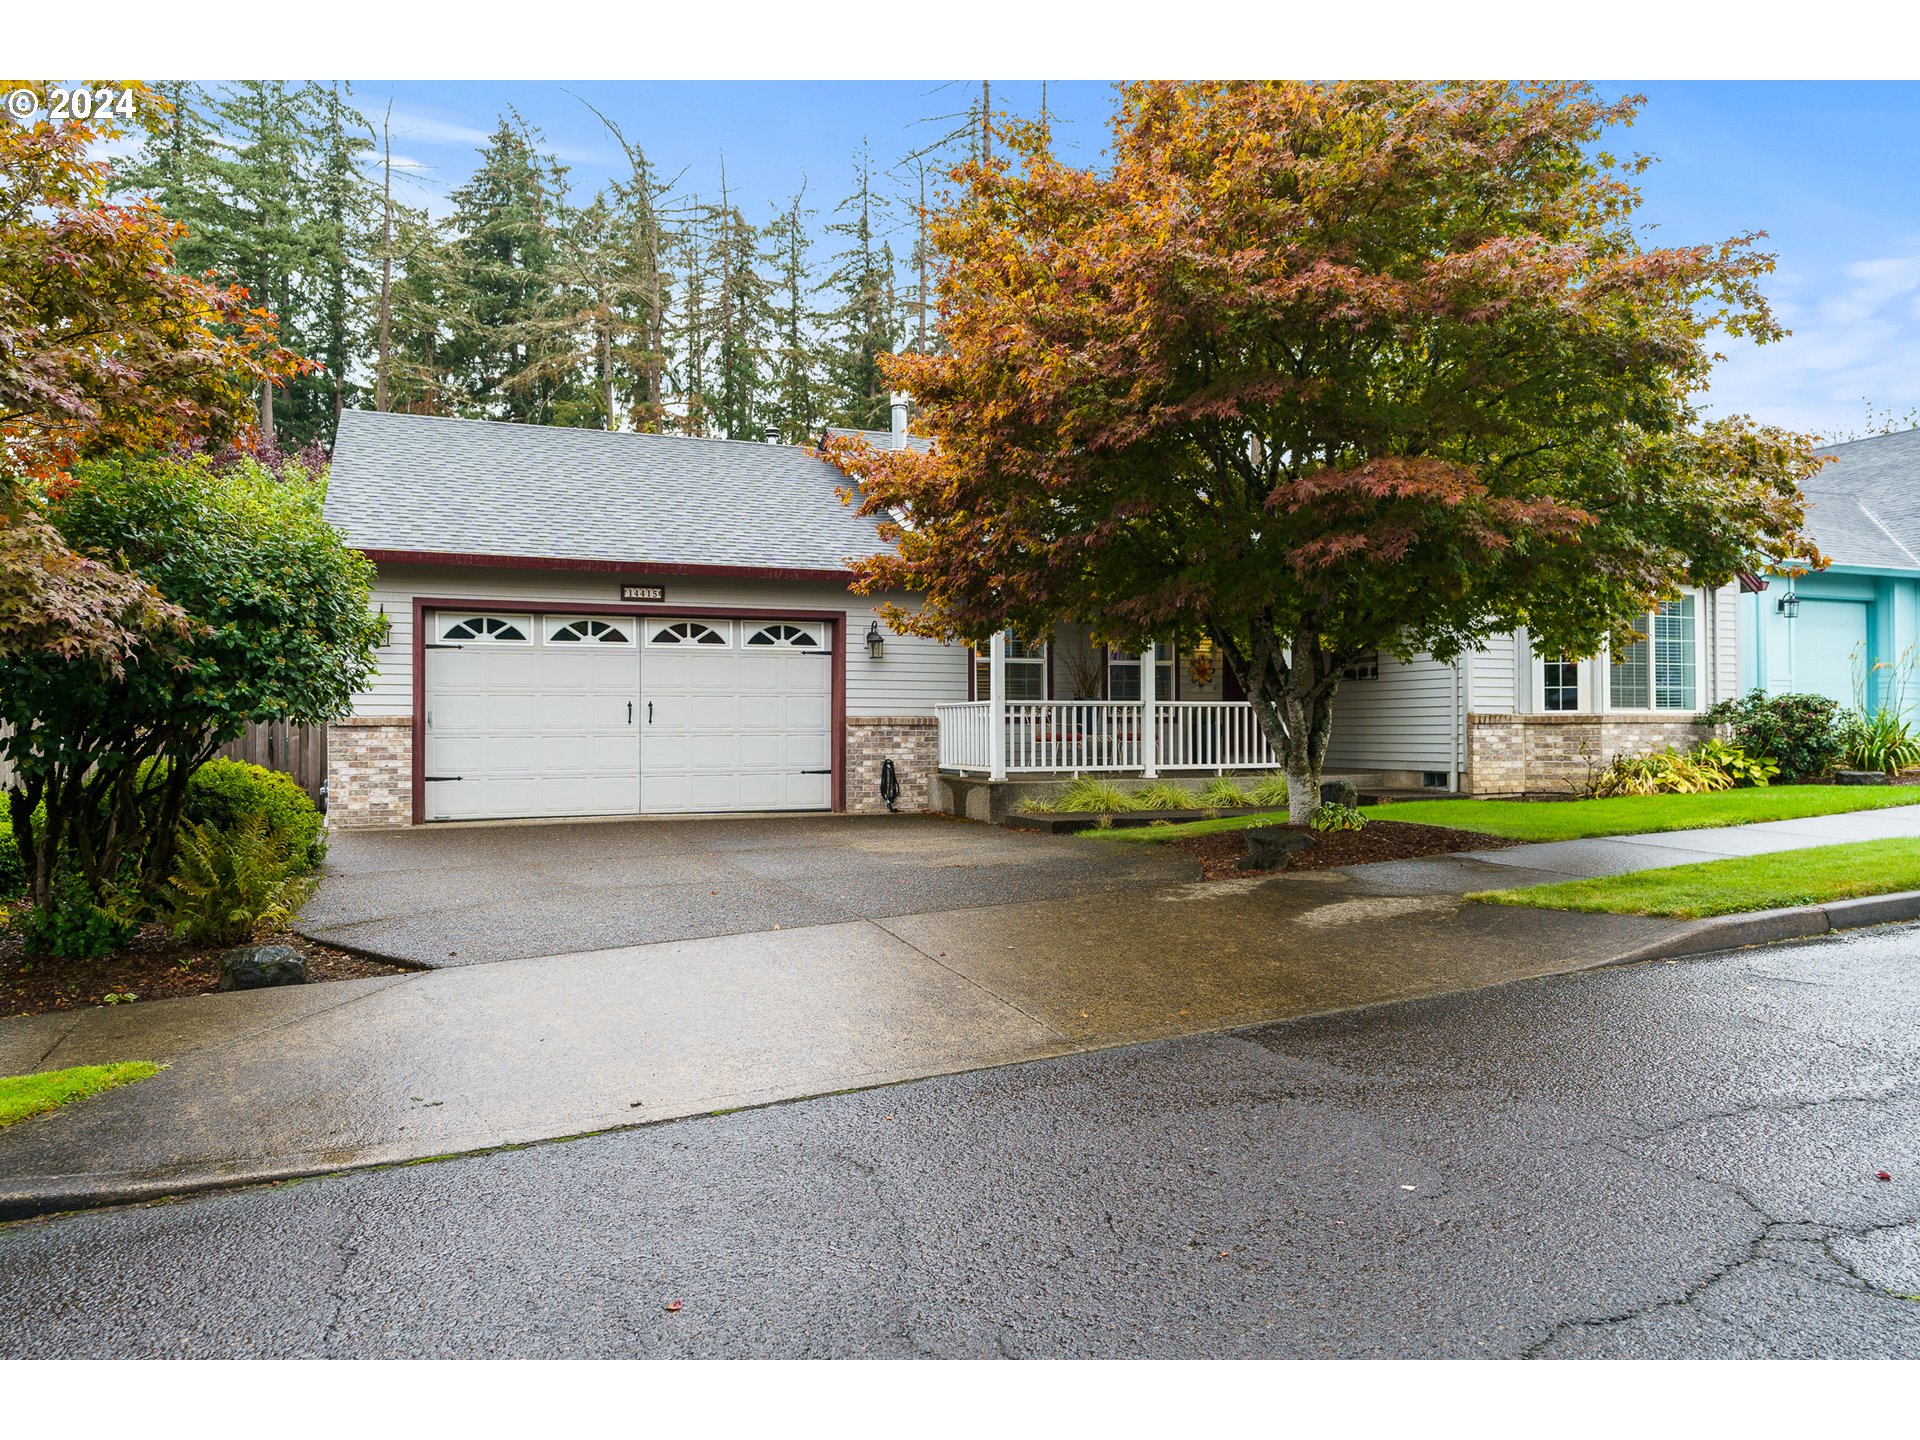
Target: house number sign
[[643, 592]]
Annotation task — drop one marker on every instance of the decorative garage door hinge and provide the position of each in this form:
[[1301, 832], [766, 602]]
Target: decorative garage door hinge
[[443, 777]]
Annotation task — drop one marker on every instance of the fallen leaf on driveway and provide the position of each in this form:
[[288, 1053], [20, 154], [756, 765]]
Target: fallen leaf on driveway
[[673, 1305], [1882, 1175]]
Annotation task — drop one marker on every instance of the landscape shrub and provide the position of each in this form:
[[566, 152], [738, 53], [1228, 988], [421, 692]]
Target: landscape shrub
[[77, 925], [229, 885], [1332, 815], [1799, 733], [223, 793], [1659, 772], [1880, 741], [1736, 764], [13, 870]]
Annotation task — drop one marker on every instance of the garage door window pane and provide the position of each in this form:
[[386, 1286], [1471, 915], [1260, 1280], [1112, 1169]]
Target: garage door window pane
[[687, 632], [786, 637], [587, 632], [487, 629]]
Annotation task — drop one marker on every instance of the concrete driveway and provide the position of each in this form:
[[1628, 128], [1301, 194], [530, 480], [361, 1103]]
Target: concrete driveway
[[460, 895]]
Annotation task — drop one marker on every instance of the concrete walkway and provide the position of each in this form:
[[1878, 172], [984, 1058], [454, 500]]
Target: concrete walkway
[[284, 1082], [1618, 854]]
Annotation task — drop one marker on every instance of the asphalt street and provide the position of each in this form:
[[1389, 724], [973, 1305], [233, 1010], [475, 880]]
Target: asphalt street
[[1670, 1159]]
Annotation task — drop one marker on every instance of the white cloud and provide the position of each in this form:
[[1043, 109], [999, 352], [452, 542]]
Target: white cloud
[[1855, 344]]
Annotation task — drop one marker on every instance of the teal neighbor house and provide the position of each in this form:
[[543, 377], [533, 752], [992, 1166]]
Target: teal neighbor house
[[1852, 630]]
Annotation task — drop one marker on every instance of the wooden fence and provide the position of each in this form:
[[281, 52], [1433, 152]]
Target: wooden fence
[[296, 750]]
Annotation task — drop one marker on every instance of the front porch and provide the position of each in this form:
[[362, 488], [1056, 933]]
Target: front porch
[[996, 739]]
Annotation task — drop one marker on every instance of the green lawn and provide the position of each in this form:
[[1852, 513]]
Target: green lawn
[[24, 1095], [1581, 819], [1731, 887]]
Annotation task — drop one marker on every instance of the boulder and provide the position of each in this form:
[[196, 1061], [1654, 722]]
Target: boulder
[[1340, 792], [1268, 846], [256, 967], [1860, 777]]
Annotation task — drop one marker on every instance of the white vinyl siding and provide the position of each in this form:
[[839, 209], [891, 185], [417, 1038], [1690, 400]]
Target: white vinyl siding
[[912, 677], [1723, 639], [1493, 672], [1403, 720]]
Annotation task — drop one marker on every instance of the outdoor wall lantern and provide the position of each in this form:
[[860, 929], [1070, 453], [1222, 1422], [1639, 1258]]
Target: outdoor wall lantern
[[1788, 605], [876, 642], [386, 626]]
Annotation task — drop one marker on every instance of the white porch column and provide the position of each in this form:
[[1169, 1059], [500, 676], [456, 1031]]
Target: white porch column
[[997, 707], [1149, 731]]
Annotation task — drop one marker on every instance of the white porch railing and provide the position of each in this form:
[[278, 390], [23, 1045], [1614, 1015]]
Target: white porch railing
[[1089, 735]]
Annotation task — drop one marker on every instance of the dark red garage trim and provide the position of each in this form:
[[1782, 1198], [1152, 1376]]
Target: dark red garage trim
[[610, 567], [423, 603]]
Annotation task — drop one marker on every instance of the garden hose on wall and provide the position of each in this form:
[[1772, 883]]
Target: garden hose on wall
[[889, 784]]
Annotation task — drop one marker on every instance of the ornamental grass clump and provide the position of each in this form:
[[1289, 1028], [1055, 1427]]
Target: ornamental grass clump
[[1269, 790], [1089, 794], [1223, 792], [1164, 795]]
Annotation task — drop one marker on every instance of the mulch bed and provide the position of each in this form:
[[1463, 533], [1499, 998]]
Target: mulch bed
[[1220, 853], [155, 966]]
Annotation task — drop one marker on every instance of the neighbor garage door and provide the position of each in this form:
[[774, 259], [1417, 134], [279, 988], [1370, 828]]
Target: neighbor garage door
[[532, 715], [1829, 639]]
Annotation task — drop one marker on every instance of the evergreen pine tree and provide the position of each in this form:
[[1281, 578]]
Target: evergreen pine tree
[[865, 324]]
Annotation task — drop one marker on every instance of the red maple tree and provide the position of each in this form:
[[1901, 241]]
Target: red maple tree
[[1314, 370]]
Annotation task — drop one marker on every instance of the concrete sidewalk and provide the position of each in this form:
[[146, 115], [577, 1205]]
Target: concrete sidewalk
[[1619, 854], [277, 1083]]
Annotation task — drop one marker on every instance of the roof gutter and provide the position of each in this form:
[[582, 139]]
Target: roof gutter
[[611, 567]]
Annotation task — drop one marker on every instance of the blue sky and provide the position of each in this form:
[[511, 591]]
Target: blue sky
[[1831, 170]]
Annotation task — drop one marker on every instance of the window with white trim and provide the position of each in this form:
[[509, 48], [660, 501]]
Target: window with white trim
[[1560, 685], [1026, 671], [1123, 674], [686, 632], [784, 637], [486, 629], [1661, 671], [562, 631]]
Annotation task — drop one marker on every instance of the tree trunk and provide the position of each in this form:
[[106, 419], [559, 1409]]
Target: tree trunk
[[386, 265], [1290, 684]]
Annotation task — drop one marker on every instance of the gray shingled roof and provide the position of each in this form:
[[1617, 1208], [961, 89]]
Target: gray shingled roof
[[1865, 507], [481, 487], [882, 439]]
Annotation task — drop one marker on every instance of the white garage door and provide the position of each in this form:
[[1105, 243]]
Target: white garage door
[[546, 715]]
